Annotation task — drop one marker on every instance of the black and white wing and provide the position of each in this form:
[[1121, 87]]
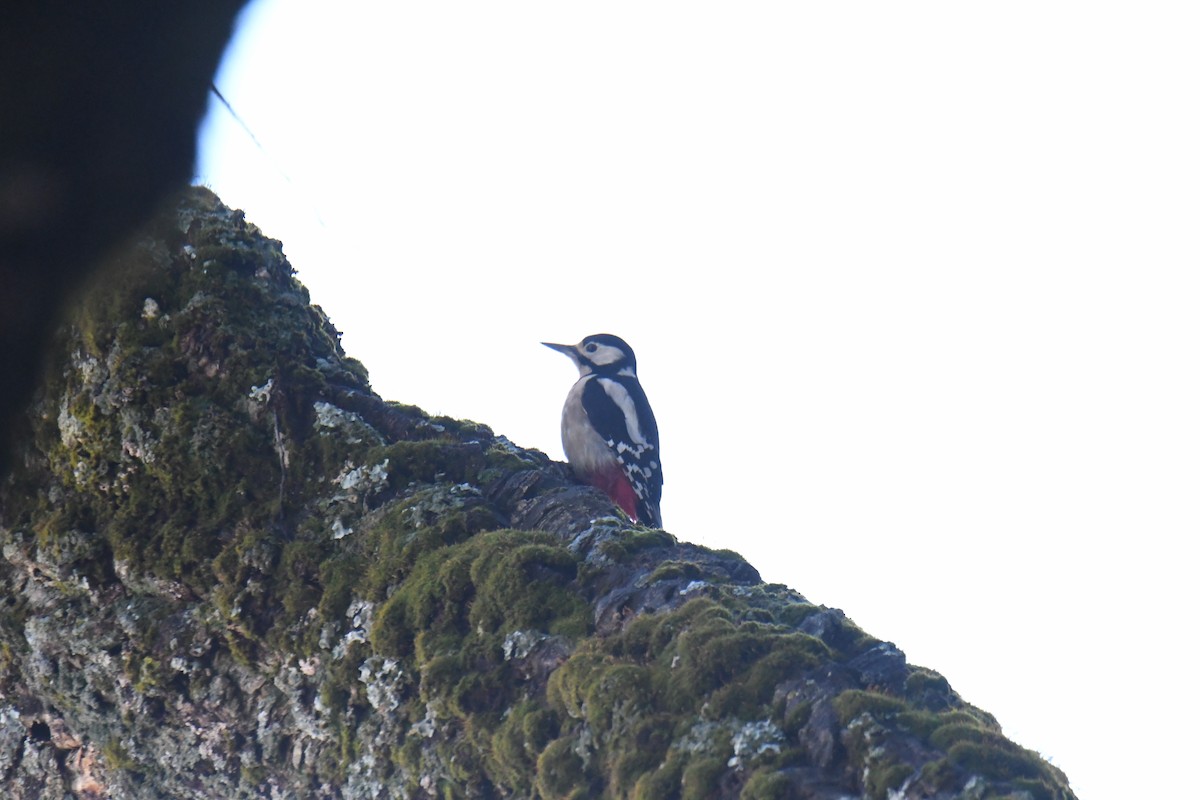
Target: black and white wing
[[618, 409]]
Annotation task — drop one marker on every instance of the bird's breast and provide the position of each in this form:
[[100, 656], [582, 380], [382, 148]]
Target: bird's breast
[[586, 451]]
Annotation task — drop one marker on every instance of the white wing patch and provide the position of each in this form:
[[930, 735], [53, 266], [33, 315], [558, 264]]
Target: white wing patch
[[620, 395]]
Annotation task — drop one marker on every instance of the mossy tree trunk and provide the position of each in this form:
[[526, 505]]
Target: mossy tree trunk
[[231, 570]]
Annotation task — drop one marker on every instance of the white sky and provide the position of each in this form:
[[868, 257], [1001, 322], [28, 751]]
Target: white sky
[[913, 289]]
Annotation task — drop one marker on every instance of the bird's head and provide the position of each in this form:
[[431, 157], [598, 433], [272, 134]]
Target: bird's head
[[601, 353]]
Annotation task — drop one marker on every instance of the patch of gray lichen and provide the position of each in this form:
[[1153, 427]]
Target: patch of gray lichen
[[231, 570]]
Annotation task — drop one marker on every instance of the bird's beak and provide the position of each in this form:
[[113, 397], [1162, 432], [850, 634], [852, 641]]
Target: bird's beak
[[565, 349]]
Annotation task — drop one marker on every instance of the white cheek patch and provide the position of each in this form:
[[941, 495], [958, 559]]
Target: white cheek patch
[[605, 354], [620, 396]]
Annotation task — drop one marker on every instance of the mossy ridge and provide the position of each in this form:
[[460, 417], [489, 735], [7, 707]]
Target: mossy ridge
[[524, 733], [724, 659], [460, 600], [971, 739], [622, 548], [442, 459], [628, 699], [167, 345], [448, 603]]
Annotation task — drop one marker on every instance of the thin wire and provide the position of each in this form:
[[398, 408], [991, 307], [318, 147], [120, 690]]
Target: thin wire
[[278, 168]]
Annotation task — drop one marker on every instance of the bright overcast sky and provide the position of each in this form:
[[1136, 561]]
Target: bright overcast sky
[[914, 291]]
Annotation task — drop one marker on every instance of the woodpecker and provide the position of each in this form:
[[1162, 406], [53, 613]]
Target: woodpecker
[[608, 429]]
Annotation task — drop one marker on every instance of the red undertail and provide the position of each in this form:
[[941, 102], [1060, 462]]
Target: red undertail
[[614, 484]]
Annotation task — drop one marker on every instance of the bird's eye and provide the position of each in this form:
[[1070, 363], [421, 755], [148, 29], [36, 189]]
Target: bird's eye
[[591, 347]]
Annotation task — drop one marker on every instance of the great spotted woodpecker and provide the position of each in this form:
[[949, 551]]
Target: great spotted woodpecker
[[608, 429]]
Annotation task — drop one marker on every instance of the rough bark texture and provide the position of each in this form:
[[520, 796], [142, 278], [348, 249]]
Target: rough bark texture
[[231, 570]]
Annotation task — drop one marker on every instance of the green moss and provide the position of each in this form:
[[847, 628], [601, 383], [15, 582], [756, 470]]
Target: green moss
[[766, 785], [442, 460], [701, 777], [783, 656], [651, 635], [663, 783], [408, 757], [973, 744], [793, 613], [924, 723], [391, 634], [562, 774], [342, 686], [430, 519], [165, 454], [947, 735], [299, 576], [921, 723], [921, 680], [117, 757], [883, 779], [669, 570], [794, 718], [486, 692], [665, 668], [516, 743], [568, 685], [502, 459], [449, 616], [939, 775], [639, 748], [525, 586], [616, 695], [998, 762], [493, 583], [711, 655], [677, 663], [148, 675], [338, 577], [9, 660], [624, 546], [986, 752], [851, 704]]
